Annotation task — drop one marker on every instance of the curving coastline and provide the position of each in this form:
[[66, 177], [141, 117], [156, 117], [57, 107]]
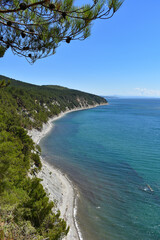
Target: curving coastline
[[57, 184]]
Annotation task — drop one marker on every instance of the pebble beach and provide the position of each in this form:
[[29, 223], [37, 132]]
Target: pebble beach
[[57, 185]]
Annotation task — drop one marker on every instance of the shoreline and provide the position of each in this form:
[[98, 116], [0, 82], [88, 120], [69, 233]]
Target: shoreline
[[57, 184]]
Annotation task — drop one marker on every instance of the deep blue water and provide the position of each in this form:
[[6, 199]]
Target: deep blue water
[[112, 153]]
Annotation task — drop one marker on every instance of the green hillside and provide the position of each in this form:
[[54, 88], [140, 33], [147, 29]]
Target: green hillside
[[35, 104], [25, 210]]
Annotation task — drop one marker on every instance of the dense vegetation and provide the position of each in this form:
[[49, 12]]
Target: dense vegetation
[[35, 104], [25, 209]]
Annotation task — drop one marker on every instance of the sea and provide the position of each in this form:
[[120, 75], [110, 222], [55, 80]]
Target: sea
[[112, 155]]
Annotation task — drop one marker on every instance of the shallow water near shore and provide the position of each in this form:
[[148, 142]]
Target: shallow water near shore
[[112, 154]]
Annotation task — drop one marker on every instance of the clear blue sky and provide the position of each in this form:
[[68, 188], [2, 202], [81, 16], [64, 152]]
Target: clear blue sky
[[121, 57]]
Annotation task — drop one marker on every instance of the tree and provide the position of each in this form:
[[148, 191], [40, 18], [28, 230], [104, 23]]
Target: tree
[[34, 28], [3, 84]]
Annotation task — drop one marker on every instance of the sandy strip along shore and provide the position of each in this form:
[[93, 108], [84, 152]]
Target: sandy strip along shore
[[57, 184]]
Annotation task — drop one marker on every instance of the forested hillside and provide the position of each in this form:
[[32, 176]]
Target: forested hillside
[[25, 209], [35, 104]]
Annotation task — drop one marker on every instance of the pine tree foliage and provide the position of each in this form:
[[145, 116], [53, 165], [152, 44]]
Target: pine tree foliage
[[4, 84], [34, 28], [25, 209]]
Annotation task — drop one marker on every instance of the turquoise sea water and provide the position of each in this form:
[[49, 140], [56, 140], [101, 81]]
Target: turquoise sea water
[[112, 154]]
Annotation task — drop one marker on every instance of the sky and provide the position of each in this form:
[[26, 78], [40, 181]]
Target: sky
[[121, 57]]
